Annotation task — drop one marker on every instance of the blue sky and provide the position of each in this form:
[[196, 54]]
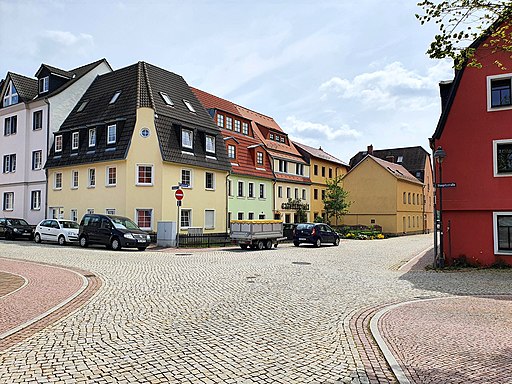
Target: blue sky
[[337, 74]]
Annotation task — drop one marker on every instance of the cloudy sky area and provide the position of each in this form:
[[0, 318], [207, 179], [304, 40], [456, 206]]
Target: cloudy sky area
[[338, 74]]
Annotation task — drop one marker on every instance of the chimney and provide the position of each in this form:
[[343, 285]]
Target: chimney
[[391, 159], [370, 149]]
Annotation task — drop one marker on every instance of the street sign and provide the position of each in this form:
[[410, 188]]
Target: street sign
[[178, 203], [179, 194], [175, 187], [446, 185]]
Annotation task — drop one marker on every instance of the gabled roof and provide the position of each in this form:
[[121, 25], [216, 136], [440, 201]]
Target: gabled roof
[[394, 169], [55, 71], [214, 102], [25, 86], [319, 153], [141, 85]]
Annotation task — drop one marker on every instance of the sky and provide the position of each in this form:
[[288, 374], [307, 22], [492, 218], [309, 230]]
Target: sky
[[340, 75]]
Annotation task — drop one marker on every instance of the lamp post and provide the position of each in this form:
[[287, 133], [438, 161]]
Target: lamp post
[[439, 155]]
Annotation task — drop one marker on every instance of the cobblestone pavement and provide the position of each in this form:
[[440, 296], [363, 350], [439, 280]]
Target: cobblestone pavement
[[286, 315]]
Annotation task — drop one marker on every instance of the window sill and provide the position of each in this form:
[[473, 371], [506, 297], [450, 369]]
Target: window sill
[[144, 185], [110, 185], [210, 189]]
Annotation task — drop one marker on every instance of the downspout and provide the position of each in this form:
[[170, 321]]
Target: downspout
[[434, 191], [423, 209], [47, 152], [227, 201]]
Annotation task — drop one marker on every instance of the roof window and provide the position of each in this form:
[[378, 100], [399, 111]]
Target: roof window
[[115, 97], [189, 106], [82, 106], [166, 99]]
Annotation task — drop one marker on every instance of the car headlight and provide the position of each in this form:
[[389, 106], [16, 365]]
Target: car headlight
[[16, 230], [148, 238], [129, 236]]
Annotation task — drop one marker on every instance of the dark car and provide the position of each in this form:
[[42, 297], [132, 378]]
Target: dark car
[[12, 228], [115, 232], [315, 233]]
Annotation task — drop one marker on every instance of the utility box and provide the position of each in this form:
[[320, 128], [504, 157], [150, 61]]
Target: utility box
[[166, 234]]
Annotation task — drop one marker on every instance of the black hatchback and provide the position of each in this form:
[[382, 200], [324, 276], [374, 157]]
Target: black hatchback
[[115, 232], [315, 233], [12, 228]]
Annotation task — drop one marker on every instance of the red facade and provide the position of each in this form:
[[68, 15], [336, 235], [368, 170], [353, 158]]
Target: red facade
[[477, 212]]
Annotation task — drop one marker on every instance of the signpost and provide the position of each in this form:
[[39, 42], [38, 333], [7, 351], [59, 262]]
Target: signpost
[[446, 185], [179, 196]]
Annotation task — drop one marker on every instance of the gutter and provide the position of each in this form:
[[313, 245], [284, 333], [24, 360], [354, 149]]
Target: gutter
[[47, 153]]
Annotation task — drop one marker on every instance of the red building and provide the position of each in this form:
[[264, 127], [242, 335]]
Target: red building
[[475, 133]]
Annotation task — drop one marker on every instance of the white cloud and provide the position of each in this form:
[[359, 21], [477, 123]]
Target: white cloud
[[393, 87], [56, 43], [317, 132]]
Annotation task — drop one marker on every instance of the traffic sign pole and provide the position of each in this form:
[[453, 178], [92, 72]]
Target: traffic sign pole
[[179, 196]]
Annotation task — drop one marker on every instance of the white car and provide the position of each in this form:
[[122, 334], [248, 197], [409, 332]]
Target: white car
[[58, 231]]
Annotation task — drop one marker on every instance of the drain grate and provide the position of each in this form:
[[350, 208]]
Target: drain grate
[[301, 263], [183, 254]]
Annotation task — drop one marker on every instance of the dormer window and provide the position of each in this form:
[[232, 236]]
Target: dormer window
[[210, 144], [167, 99], [82, 106], [92, 137], [75, 140], [229, 123], [231, 152], [282, 139], [115, 97], [44, 84], [271, 136], [245, 128], [399, 159], [259, 158], [187, 138], [237, 125], [220, 120], [189, 106], [111, 134], [58, 143], [11, 95]]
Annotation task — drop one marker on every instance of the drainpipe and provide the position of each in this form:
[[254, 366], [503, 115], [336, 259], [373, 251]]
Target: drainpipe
[[227, 201], [434, 191], [47, 152], [423, 208]]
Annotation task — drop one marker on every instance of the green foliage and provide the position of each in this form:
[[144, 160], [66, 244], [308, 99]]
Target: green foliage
[[336, 202], [318, 219], [300, 208], [461, 22]]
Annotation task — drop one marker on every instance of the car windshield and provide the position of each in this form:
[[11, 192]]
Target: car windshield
[[304, 226], [16, 222], [69, 224], [124, 223]]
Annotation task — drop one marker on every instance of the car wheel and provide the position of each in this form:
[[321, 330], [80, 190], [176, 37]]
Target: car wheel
[[243, 246], [83, 242], [337, 242], [260, 245], [62, 240], [115, 244], [296, 243], [318, 242], [8, 235], [141, 248], [268, 244], [37, 238]]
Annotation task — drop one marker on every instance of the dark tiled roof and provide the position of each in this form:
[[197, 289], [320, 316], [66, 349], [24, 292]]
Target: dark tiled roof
[[55, 70], [140, 86], [25, 86], [319, 153], [413, 158]]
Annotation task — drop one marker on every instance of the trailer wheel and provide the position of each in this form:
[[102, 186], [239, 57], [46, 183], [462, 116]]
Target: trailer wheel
[[243, 246], [260, 245], [268, 244]]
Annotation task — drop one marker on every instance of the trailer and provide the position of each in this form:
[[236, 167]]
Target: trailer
[[256, 234]]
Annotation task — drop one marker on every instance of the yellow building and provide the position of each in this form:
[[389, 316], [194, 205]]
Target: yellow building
[[322, 167], [135, 134], [386, 194]]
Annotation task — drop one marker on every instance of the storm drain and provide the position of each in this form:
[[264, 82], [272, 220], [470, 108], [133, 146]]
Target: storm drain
[[301, 263], [183, 254]]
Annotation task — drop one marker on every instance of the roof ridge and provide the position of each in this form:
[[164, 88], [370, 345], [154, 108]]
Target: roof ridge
[[148, 85]]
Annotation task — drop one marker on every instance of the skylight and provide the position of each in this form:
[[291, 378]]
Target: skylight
[[115, 97], [189, 106], [82, 106], [167, 99]]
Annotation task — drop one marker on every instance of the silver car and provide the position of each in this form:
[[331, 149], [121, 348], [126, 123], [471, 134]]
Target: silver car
[[57, 231]]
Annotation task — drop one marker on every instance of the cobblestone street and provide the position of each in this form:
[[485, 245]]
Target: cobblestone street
[[286, 315]]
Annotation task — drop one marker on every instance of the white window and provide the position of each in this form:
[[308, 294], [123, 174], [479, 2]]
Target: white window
[[229, 123], [283, 166], [10, 163], [73, 214], [111, 134], [187, 137], [110, 211], [186, 178], [220, 120], [502, 225], [259, 158], [245, 128], [91, 180], [279, 191], [209, 219], [115, 97], [58, 143], [189, 105], [144, 218], [90, 210], [240, 215], [231, 152], [74, 179], [92, 137], [251, 190], [237, 125], [296, 193], [10, 125], [44, 84], [210, 144], [186, 218], [240, 189], [37, 120], [288, 192], [111, 176], [502, 157], [11, 95], [251, 216], [35, 200], [144, 175], [75, 140], [57, 180], [299, 169], [230, 188], [499, 90], [209, 180], [262, 191], [8, 201], [167, 99]]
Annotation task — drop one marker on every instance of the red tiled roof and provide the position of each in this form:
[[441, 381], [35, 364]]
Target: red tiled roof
[[211, 101], [286, 156], [259, 118], [396, 170], [292, 178], [245, 157]]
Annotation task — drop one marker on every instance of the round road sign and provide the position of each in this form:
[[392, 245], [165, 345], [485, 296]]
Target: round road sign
[[179, 194]]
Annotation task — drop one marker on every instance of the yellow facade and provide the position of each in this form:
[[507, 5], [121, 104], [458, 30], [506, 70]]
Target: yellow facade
[[127, 196], [380, 198], [285, 190]]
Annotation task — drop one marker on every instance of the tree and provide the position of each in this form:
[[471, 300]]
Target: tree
[[336, 199], [300, 209], [463, 21]]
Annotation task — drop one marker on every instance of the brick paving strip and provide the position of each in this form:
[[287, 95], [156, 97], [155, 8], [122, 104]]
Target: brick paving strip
[[48, 293], [463, 339]]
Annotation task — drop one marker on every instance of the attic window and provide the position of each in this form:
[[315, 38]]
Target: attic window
[[167, 99], [11, 95], [189, 106], [115, 97], [399, 159], [82, 106], [44, 84]]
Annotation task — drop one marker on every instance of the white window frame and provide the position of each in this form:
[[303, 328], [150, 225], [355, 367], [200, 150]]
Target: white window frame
[[115, 97], [495, 232], [75, 140], [190, 134], [57, 186], [150, 218], [231, 150], [250, 191], [210, 144], [230, 188], [137, 182], [44, 84], [91, 178], [206, 226], [259, 158], [9, 165], [58, 143], [245, 128], [35, 200], [238, 194], [167, 99], [107, 176], [220, 120], [73, 184], [92, 137], [240, 215], [182, 211], [212, 188], [11, 96], [489, 91], [8, 201], [190, 173], [73, 214], [189, 106], [229, 123], [262, 191], [38, 120], [111, 139], [237, 125], [495, 144]]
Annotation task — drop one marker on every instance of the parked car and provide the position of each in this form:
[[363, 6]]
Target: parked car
[[12, 229], [315, 233], [115, 232], [59, 231]]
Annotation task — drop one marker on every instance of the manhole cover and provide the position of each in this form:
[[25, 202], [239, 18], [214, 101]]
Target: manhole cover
[[301, 263]]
